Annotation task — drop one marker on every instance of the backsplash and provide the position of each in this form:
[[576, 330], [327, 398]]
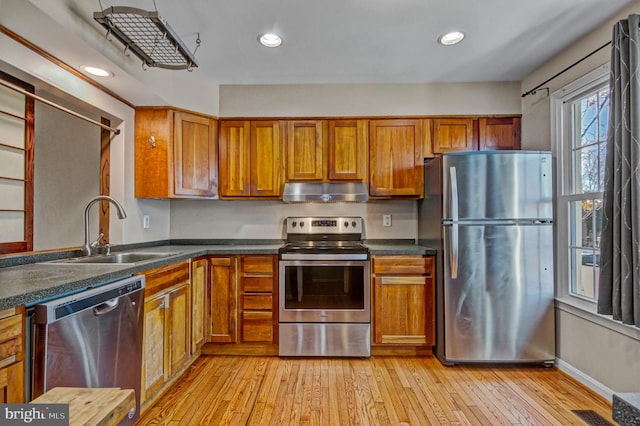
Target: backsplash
[[264, 219]]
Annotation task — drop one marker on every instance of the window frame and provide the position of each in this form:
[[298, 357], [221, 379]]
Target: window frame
[[562, 126]]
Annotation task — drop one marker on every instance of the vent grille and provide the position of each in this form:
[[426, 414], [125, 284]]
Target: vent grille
[[592, 418]]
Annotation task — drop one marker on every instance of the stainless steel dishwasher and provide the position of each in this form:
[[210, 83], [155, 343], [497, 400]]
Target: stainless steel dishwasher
[[91, 339]]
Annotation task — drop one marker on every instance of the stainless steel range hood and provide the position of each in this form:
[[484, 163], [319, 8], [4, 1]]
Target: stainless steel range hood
[[317, 192]]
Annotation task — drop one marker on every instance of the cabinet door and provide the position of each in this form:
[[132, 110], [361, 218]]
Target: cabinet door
[[195, 155], [223, 300], [499, 133], [305, 150], [12, 384], [266, 158], [155, 362], [12, 340], [179, 327], [199, 278], [152, 159], [401, 314], [453, 134], [395, 156], [348, 154], [235, 161]]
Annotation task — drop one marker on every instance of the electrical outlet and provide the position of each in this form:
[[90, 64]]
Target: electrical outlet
[[386, 220], [146, 222]]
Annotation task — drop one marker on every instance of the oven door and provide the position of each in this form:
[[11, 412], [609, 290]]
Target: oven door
[[324, 291]]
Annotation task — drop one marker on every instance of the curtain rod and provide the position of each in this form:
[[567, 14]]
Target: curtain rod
[[60, 107], [533, 91]]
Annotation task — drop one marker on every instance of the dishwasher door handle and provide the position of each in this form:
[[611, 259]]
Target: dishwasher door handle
[[106, 307]]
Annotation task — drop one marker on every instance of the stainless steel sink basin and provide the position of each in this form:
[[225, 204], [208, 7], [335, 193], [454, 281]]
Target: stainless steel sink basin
[[116, 258]]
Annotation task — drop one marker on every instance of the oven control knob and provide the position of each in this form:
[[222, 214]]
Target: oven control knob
[[346, 224], [353, 224], [301, 224], [294, 224]]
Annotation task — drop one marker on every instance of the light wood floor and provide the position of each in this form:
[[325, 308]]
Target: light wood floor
[[240, 390]]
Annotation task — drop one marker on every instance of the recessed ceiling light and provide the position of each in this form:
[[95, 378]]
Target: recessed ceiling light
[[453, 37], [98, 72], [270, 40]]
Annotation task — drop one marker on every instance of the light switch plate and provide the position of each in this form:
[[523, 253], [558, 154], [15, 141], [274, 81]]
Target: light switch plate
[[146, 222], [386, 220]]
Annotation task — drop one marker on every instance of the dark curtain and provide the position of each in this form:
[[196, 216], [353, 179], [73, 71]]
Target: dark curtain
[[619, 291]]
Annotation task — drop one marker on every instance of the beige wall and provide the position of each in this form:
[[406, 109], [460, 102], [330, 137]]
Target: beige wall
[[328, 100], [605, 359], [264, 219]]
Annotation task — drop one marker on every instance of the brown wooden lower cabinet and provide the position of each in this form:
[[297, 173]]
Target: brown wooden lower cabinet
[[243, 301], [403, 298], [223, 300], [258, 285], [167, 328], [199, 281], [12, 324]]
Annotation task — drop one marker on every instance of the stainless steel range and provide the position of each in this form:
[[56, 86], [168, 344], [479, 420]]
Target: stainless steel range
[[324, 288]]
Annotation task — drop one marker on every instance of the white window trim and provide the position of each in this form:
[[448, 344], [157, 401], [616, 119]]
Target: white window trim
[[571, 303]]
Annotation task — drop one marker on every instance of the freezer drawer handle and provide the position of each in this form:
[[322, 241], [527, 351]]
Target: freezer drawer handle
[[453, 253], [106, 307]]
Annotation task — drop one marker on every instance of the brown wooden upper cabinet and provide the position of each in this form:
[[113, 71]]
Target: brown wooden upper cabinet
[[348, 153], [251, 155], [175, 154], [499, 133], [396, 158], [442, 135], [327, 150], [305, 148], [453, 135]]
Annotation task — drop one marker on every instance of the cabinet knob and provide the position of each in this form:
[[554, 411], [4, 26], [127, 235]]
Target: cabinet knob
[[152, 141]]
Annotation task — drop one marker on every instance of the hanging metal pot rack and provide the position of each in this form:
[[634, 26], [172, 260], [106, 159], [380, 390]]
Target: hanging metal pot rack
[[148, 36]]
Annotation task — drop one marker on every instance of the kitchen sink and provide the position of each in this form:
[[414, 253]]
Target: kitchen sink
[[116, 258]]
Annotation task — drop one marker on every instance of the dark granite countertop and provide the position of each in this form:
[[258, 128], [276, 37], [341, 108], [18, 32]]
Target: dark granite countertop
[[29, 279], [398, 247]]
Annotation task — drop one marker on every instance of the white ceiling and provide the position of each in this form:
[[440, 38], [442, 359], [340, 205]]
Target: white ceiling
[[368, 41]]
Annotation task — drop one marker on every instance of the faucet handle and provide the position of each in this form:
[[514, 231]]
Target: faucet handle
[[95, 243]]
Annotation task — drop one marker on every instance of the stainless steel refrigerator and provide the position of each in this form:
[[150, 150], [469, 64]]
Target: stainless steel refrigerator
[[489, 215]]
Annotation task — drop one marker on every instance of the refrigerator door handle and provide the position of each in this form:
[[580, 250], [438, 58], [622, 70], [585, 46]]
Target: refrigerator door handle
[[453, 197], [453, 253]]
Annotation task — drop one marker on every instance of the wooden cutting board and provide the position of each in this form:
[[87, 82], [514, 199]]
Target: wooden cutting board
[[92, 406]]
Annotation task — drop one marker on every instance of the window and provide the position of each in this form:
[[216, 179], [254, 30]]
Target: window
[[16, 168], [581, 118]]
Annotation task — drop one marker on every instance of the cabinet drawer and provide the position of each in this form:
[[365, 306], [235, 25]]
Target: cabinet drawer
[[257, 326], [257, 284], [167, 276], [258, 265], [257, 302], [415, 265]]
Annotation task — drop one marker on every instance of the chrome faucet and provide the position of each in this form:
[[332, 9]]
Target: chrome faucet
[[89, 246]]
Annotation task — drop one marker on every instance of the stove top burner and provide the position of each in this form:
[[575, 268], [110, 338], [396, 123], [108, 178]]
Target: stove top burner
[[324, 236]]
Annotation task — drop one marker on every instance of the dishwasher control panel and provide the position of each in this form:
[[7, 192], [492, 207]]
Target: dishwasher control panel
[[46, 313]]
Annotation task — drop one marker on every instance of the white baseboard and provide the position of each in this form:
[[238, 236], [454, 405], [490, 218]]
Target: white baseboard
[[588, 381]]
